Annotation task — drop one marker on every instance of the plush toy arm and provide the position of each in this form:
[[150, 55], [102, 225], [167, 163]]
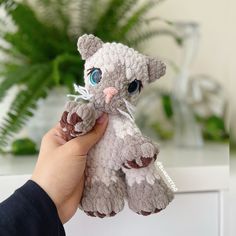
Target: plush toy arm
[[139, 152], [77, 119], [147, 192]]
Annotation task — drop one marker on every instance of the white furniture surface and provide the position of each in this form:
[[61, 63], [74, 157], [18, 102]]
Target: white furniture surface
[[202, 178], [232, 195]]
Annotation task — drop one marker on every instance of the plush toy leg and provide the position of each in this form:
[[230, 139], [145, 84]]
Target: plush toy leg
[[147, 193], [103, 200]]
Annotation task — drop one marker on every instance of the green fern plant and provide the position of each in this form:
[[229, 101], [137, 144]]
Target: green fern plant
[[40, 52]]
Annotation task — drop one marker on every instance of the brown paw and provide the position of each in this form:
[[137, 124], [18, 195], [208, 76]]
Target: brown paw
[[144, 162], [90, 213], [74, 119], [147, 213], [68, 127], [98, 214], [112, 213]]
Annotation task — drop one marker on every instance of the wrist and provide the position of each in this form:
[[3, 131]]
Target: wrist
[[47, 189]]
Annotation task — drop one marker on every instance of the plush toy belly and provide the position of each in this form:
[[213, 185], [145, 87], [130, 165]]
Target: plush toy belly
[[122, 166]]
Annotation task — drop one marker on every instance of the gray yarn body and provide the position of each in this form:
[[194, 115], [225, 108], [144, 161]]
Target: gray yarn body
[[106, 186], [121, 165]]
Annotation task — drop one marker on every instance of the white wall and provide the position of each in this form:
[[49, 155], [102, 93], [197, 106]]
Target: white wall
[[232, 67], [213, 16], [215, 56]]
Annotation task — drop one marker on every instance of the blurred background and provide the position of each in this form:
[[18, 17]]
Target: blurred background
[[188, 109], [40, 63]]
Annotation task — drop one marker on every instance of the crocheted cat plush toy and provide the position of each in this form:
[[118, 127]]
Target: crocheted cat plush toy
[[121, 165]]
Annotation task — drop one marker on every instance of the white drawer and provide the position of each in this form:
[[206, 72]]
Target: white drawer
[[194, 214]]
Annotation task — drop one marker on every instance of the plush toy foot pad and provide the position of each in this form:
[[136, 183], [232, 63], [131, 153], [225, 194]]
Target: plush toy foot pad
[[147, 213], [145, 161], [98, 214], [69, 126]]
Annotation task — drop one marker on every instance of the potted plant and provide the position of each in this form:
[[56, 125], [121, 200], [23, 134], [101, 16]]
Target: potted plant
[[39, 46]]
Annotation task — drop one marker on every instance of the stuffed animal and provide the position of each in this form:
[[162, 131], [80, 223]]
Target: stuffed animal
[[122, 164]]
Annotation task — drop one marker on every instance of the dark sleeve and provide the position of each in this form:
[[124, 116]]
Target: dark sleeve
[[30, 211]]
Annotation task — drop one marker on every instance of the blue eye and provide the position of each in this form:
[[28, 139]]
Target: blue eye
[[95, 76]]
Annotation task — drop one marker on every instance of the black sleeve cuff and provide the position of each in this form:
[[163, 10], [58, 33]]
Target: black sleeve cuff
[[30, 211]]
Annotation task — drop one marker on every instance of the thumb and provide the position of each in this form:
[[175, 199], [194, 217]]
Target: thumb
[[82, 144]]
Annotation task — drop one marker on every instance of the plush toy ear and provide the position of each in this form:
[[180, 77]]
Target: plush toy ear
[[88, 44], [156, 69]]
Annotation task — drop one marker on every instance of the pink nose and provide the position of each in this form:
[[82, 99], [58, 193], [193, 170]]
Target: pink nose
[[109, 92]]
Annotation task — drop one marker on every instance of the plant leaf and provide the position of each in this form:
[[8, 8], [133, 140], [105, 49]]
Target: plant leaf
[[143, 36], [16, 75], [135, 18], [24, 104]]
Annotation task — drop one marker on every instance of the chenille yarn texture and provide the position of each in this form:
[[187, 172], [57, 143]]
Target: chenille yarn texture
[[121, 165]]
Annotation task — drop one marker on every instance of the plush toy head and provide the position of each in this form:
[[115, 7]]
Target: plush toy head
[[115, 73]]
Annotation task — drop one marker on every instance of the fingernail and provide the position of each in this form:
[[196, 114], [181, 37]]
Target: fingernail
[[102, 118]]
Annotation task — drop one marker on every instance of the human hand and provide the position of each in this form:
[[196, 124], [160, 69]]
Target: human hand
[[60, 166]]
